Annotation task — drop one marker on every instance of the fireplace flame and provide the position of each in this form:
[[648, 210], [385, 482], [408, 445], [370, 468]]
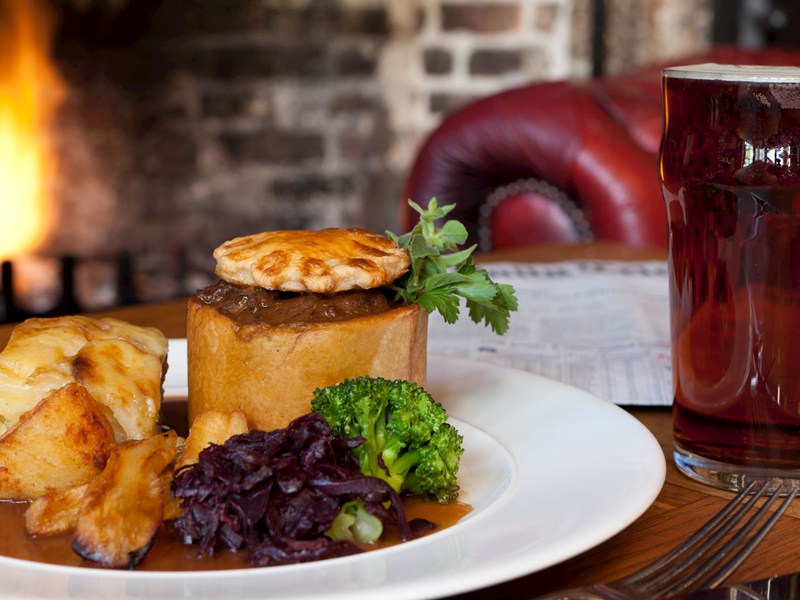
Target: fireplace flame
[[30, 93]]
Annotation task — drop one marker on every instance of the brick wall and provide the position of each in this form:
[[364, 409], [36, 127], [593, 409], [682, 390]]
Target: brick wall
[[645, 31], [219, 119], [465, 49]]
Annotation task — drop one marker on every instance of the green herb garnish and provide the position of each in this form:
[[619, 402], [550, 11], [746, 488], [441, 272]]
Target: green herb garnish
[[441, 274]]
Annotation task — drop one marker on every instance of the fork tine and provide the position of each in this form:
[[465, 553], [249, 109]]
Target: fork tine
[[667, 577], [737, 559], [687, 567], [697, 537]]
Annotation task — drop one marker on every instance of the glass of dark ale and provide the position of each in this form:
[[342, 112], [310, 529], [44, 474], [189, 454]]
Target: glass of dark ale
[[730, 172]]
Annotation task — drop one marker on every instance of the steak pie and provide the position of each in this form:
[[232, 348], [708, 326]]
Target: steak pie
[[298, 310]]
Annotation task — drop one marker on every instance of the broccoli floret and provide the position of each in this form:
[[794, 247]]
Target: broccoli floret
[[407, 439]]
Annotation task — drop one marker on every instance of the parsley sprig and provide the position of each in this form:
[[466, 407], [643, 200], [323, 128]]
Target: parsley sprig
[[440, 274]]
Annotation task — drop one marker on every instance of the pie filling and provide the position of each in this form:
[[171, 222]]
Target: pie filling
[[252, 305]]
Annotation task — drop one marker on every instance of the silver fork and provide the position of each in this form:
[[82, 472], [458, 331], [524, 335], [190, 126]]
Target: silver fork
[[706, 558]]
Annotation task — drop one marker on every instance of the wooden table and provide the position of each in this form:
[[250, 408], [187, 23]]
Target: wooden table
[[679, 509]]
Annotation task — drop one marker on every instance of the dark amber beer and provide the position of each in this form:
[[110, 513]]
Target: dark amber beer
[[730, 173]]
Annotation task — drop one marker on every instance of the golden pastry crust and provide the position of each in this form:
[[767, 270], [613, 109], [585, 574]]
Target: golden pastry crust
[[270, 372], [322, 262]]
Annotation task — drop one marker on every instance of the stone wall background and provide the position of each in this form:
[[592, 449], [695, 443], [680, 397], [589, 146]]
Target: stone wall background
[[192, 122]]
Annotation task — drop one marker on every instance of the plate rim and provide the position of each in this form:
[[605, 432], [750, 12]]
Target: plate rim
[[462, 580]]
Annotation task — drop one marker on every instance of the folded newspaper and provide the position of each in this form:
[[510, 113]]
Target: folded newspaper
[[602, 326]]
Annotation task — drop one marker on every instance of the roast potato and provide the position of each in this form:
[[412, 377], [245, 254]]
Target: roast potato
[[123, 507], [111, 370], [62, 442], [211, 427]]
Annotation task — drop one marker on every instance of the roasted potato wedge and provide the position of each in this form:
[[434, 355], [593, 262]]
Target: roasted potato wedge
[[62, 442], [55, 512], [212, 427], [123, 507]]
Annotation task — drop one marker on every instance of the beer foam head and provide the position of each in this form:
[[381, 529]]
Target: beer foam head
[[736, 73]]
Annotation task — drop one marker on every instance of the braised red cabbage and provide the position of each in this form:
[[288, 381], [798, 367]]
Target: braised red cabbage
[[276, 493]]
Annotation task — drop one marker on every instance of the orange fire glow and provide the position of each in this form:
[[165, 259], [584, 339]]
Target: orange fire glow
[[30, 93]]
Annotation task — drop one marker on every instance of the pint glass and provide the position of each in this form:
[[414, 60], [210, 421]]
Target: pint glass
[[730, 173]]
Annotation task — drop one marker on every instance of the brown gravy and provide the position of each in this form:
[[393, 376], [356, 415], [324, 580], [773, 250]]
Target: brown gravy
[[168, 552]]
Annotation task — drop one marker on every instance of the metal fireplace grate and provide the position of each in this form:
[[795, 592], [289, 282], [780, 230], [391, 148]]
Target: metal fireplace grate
[[67, 302]]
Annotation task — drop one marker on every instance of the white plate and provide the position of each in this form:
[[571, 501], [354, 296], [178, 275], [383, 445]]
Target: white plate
[[550, 471]]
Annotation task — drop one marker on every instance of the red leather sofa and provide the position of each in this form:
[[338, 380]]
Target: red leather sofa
[[558, 162]]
